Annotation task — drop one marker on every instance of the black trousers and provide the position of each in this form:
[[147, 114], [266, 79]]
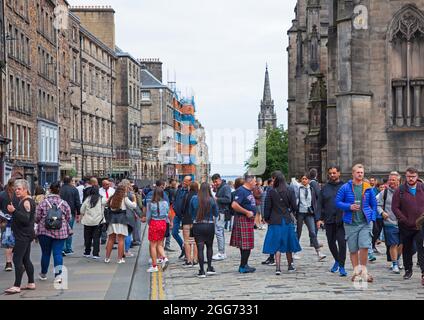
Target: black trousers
[[92, 238], [336, 242], [204, 234], [376, 231], [104, 232], [412, 240], [21, 259]]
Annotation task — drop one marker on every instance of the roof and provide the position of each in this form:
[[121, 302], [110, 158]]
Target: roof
[[121, 54], [148, 80]]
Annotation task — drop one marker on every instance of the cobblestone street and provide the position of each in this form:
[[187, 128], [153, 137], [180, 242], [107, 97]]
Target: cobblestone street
[[311, 281]]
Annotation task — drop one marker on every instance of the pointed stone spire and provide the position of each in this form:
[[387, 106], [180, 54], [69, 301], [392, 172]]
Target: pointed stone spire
[[267, 87], [267, 116]]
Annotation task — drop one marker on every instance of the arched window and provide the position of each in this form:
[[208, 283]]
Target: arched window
[[406, 68]]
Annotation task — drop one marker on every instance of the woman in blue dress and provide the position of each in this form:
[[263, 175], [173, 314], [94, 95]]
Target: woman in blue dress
[[280, 204]]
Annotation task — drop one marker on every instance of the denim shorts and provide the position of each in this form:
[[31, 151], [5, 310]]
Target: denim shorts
[[358, 236], [392, 235]]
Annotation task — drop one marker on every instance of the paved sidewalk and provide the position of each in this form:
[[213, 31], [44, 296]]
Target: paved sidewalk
[[311, 281], [88, 279]]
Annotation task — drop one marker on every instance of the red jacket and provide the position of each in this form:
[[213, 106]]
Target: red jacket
[[409, 208]]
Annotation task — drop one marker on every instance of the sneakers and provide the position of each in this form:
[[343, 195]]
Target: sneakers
[[42, 276], [96, 257], [269, 262], [8, 267], [107, 260], [86, 255], [292, 268], [210, 271], [246, 269], [129, 254], [395, 269], [121, 261], [68, 252], [182, 255], [187, 264], [153, 269], [342, 272], [296, 256], [219, 256], [165, 264], [371, 257], [277, 272], [321, 256], [335, 267], [201, 274], [408, 275]]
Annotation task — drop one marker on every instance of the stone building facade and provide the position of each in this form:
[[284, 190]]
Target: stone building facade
[[32, 45], [127, 160], [356, 86], [157, 114], [98, 63]]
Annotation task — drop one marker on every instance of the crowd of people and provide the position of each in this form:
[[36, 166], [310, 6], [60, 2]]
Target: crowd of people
[[355, 215]]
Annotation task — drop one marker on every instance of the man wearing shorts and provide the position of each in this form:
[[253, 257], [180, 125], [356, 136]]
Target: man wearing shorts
[[356, 198], [390, 222]]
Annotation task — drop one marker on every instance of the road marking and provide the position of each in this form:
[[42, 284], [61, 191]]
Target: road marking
[[154, 292], [161, 292]]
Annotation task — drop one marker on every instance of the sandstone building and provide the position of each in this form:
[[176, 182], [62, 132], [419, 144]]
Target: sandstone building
[[356, 89]]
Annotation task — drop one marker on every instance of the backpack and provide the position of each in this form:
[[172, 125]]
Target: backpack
[[54, 218]]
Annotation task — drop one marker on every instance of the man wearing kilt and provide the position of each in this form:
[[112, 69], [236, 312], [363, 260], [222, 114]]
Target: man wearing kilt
[[244, 205]]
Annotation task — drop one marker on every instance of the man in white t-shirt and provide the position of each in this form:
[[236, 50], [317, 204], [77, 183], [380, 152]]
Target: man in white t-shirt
[[105, 191]]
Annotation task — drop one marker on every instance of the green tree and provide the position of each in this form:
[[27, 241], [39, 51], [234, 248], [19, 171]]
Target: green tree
[[277, 146]]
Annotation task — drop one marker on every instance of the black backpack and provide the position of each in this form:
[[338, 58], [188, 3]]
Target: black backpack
[[54, 217]]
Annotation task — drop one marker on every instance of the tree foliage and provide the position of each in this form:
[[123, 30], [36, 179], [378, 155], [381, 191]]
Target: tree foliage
[[276, 152]]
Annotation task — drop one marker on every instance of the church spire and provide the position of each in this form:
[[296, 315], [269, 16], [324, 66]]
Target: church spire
[[267, 87], [267, 116]]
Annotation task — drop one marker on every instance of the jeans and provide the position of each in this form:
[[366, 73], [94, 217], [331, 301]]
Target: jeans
[[176, 231], [22, 261], [48, 246], [92, 238], [103, 236], [137, 230], [336, 242], [168, 242], [68, 242], [128, 240], [310, 224], [219, 232]]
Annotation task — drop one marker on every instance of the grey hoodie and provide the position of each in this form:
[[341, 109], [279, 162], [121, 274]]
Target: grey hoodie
[[391, 220]]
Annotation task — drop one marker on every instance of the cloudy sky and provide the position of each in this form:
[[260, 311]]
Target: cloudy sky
[[218, 51]]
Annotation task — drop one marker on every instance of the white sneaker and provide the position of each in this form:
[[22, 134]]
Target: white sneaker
[[219, 256], [87, 255], [165, 264], [321, 256], [107, 260], [153, 269], [296, 256], [129, 254], [396, 269], [120, 261]]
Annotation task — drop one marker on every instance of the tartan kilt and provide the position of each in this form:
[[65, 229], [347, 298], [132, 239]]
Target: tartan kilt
[[242, 236]]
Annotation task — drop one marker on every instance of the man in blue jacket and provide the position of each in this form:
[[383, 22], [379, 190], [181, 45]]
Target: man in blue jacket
[[356, 198]]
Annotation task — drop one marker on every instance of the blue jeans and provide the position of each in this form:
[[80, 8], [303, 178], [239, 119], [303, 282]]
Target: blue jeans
[[68, 242], [176, 231], [48, 246], [128, 240]]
